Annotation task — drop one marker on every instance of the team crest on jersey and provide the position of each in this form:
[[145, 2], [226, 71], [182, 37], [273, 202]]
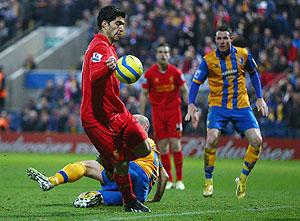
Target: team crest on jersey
[[96, 57], [241, 60], [156, 80], [197, 73]]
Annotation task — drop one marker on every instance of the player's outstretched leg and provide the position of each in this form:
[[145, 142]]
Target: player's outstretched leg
[[43, 181], [136, 207], [88, 199]]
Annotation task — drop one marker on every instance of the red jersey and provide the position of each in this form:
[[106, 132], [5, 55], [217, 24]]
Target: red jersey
[[100, 87], [164, 88]]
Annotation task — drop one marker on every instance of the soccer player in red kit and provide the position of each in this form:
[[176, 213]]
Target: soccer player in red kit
[[163, 83], [111, 128]]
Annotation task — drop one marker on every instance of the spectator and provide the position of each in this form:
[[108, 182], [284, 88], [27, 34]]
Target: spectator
[[29, 63], [3, 93], [4, 122]]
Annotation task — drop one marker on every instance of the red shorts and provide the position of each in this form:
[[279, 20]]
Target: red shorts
[[115, 140], [167, 123]]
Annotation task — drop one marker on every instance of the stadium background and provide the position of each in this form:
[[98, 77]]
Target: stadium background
[[42, 43]]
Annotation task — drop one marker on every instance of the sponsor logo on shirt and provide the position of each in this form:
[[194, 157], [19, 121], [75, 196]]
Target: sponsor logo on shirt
[[96, 57]]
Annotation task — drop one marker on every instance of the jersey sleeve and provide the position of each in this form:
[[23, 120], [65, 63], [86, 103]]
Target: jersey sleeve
[[250, 65], [201, 73], [97, 62]]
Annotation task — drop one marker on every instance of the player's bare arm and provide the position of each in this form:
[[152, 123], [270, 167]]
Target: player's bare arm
[[143, 101], [184, 92], [161, 185]]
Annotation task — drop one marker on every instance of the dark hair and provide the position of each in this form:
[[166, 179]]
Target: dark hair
[[109, 13], [224, 28], [163, 45]]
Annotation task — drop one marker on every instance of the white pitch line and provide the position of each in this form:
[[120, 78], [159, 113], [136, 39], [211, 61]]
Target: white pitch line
[[134, 217]]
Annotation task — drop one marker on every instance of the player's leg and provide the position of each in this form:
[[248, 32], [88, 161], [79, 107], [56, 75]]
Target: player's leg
[[140, 182], [212, 140], [93, 170], [252, 155], [178, 161], [106, 142], [249, 125], [163, 146], [174, 122], [135, 139], [108, 195], [124, 182], [70, 173], [217, 119], [160, 127]]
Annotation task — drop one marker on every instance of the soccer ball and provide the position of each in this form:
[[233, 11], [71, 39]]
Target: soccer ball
[[129, 69]]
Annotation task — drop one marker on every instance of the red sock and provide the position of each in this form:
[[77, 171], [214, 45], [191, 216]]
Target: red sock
[[178, 161], [125, 187], [166, 161]]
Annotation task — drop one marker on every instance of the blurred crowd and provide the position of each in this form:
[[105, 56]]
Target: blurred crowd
[[269, 28]]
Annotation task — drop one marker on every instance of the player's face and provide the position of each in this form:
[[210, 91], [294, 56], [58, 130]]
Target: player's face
[[223, 40], [116, 29], [163, 55]]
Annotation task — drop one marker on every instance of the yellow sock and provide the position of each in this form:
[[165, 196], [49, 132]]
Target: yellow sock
[[209, 161], [69, 173], [209, 156], [251, 157]]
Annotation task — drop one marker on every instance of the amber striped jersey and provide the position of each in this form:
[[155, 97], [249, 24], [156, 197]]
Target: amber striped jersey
[[151, 163], [226, 77]]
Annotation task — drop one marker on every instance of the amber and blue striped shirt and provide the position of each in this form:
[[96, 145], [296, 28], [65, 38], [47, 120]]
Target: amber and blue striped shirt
[[226, 77]]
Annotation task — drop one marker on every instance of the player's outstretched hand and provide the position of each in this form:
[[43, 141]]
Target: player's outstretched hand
[[193, 113], [111, 63], [262, 107]]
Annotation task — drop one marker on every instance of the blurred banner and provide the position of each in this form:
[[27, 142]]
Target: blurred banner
[[229, 147]]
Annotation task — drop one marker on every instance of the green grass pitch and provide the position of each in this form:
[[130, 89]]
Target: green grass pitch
[[273, 192]]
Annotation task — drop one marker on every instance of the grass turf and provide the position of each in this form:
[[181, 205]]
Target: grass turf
[[273, 192]]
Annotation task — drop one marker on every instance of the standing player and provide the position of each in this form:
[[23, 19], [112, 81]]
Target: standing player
[[163, 83], [228, 100], [111, 128], [144, 172]]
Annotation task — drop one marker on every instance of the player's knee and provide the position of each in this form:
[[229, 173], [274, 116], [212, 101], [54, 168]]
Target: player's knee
[[175, 144], [212, 141], [256, 142]]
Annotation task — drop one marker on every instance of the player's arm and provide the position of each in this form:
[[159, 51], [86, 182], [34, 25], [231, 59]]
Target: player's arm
[[184, 92], [102, 64], [250, 67], [161, 184], [199, 77], [143, 100], [145, 94]]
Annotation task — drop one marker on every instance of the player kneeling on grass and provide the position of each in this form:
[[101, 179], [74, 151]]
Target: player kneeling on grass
[[144, 172]]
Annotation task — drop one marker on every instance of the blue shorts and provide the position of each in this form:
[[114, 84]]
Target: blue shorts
[[242, 119], [140, 181]]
